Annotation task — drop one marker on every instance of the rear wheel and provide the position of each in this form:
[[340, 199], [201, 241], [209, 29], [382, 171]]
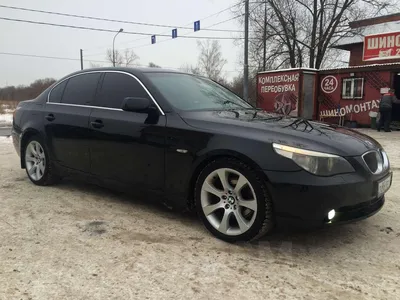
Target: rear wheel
[[37, 163], [233, 201]]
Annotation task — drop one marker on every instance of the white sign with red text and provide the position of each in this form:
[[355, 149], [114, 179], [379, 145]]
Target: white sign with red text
[[329, 84]]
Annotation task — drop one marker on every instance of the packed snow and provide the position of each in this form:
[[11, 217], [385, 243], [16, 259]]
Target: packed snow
[[6, 119]]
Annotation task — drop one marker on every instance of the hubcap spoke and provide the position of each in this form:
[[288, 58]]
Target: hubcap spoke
[[41, 167], [223, 178], [37, 148], [29, 158], [242, 181], [32, 149], [37, 173], [242, 223], [209, 209], [251, 204], [224, 226], [32, 170], [209, 188]]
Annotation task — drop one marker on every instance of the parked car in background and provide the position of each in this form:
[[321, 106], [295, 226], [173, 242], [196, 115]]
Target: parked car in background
[[195, 145]]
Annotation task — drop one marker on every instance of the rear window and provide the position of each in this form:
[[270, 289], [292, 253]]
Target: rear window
[[81, 89], [57, 92]]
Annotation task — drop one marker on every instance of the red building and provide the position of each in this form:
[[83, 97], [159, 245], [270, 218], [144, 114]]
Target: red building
[[349, 94]]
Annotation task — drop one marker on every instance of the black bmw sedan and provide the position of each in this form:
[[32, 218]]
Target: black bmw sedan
[[193, 144]]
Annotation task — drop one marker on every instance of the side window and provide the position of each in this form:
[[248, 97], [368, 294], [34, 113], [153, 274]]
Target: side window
[[81, 89], [116, 87], [57, 93]]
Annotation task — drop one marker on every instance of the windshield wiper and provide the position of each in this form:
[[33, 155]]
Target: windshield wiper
[[307, 124], [230, 102]]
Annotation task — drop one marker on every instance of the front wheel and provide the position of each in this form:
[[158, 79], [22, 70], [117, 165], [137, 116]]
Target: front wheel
[[233, 201], [37, 163]]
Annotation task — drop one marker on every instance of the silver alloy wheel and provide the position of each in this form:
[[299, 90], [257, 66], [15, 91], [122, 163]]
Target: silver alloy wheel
[[35, 160], [228, 201]]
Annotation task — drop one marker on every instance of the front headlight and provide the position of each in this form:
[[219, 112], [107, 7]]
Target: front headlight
[[386, 163], [318, 163]]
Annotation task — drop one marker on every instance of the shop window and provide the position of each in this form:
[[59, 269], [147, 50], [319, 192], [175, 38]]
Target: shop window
[[353, 88]]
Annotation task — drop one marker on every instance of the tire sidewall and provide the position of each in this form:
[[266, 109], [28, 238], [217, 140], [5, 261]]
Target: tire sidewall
[[259, 191], [45, 176]]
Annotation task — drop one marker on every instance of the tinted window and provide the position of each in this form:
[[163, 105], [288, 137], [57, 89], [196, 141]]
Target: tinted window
[[187, 92], [81, 89], [57, 92], [116, 87]]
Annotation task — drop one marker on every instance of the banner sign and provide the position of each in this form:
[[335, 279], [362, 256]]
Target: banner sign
[[279, 92], [382, 46]]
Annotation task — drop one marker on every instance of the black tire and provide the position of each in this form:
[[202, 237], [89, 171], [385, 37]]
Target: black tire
[[49, 175], [264, 221]]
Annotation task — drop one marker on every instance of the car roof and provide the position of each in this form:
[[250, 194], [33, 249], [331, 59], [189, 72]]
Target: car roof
[[134, 71]]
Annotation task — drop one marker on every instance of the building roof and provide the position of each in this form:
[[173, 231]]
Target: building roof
[[368, 30], [288, 70], [373, 67]]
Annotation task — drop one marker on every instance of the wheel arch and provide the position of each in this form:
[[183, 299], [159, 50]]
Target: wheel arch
[[202, 161]]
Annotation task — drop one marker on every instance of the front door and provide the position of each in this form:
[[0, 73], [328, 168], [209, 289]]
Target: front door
[[67, 120], [126, 146]]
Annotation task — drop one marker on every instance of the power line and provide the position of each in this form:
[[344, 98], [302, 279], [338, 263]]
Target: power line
[[118, 21], [164, 32], [158, 42], [76, 59], [47, 57], [113, 31]]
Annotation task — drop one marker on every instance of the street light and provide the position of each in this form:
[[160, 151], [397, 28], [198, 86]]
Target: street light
[[114, 45]]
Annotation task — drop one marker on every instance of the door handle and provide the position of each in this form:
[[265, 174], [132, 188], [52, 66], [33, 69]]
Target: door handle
[[50, 117], [97, 124]]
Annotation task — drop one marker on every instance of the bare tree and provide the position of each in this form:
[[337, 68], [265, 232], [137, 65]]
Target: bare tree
[[126, 58], [25, 92], [95, 65], [153, 65], [188, 68], [211, 61], [300, 33]]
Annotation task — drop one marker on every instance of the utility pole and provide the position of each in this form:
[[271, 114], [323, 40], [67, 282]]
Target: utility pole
[[246, 52], [81, 59], [265, 38]]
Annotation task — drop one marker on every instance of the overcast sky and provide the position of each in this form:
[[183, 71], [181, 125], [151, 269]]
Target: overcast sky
[[65, 42]]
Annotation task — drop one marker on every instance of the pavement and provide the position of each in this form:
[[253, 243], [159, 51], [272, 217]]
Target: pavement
[[5, 131]]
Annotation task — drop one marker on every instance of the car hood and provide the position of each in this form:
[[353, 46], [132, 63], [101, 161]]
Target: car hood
[[273, 128]]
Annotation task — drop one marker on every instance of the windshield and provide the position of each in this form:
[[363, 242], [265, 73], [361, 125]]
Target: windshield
[[188, 92]]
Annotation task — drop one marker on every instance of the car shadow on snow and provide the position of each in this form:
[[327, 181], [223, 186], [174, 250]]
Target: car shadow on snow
[[148, 203]]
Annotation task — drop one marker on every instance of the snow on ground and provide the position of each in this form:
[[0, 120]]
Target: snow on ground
[[5, 140], [72, 240], [6, 119]]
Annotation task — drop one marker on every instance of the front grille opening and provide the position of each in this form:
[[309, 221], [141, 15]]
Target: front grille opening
[[371, 160]]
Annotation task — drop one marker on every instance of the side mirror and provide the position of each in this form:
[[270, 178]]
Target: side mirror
[[139, 105]]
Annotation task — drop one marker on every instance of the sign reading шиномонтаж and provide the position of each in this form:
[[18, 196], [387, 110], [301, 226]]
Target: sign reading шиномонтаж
[[351, 108], [382, 46]]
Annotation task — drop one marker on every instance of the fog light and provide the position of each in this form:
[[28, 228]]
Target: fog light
[[331, 214]]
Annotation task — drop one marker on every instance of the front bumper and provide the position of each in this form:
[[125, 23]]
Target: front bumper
[[305, 200]]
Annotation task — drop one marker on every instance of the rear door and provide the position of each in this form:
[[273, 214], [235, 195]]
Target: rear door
[[127, 147], [67, 120]]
